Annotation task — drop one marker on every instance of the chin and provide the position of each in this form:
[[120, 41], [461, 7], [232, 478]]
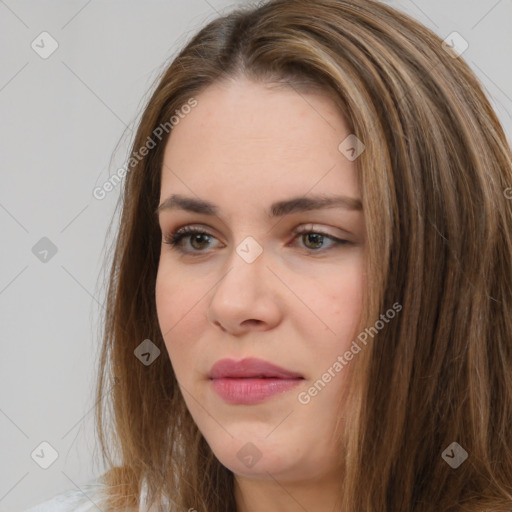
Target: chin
[[256, 456], [272, 463]]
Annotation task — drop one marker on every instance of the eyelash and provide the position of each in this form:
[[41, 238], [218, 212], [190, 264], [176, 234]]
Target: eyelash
[[174, 239]]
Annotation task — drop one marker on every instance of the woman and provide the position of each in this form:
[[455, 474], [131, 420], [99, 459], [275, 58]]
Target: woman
[[310, 302]]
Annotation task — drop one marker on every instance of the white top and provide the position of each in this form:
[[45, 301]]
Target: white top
[[74, 500], [81, 500]]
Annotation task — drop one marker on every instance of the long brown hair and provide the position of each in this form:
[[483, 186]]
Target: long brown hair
[[439, 229]]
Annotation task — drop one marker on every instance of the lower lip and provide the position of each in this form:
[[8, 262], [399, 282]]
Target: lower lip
[[251, 391]]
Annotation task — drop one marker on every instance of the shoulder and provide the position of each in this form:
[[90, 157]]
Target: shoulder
[[84, 499]]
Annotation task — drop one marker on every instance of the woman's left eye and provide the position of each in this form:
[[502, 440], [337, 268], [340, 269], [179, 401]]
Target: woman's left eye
[[199, 236]]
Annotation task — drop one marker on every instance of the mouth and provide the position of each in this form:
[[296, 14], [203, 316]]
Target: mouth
[[250, 381], [250, 368]]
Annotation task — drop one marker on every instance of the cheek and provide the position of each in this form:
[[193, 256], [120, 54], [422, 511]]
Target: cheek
[[349, 297], [335, 305], [174, 296], [179, 310], [340, 293]]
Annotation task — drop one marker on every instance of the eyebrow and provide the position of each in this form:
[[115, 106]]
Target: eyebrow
[[277, 209]]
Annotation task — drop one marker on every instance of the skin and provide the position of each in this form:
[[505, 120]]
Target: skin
[[244, 146]]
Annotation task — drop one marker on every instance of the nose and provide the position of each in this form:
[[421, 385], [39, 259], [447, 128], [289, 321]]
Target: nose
[[247, 296]]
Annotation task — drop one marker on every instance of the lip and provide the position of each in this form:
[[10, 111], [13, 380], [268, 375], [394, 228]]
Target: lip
[[250, 381], [249, 367]]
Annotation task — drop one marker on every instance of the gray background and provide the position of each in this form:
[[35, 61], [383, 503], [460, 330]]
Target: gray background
[[61, 119]]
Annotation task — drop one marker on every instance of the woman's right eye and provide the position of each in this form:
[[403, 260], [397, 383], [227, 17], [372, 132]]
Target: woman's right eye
[[194, 235]]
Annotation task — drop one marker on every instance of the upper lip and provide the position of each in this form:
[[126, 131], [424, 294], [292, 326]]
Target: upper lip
[[249, 367]]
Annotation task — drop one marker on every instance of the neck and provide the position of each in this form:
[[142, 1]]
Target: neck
[[271, 493]]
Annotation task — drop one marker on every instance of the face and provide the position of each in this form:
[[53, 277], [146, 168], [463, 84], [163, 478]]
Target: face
[[284, 288]]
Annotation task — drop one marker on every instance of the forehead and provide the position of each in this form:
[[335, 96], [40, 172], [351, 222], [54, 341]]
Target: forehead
[[259, 140]]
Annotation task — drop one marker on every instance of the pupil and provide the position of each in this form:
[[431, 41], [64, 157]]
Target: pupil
[[198, 236], [317, 236]]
